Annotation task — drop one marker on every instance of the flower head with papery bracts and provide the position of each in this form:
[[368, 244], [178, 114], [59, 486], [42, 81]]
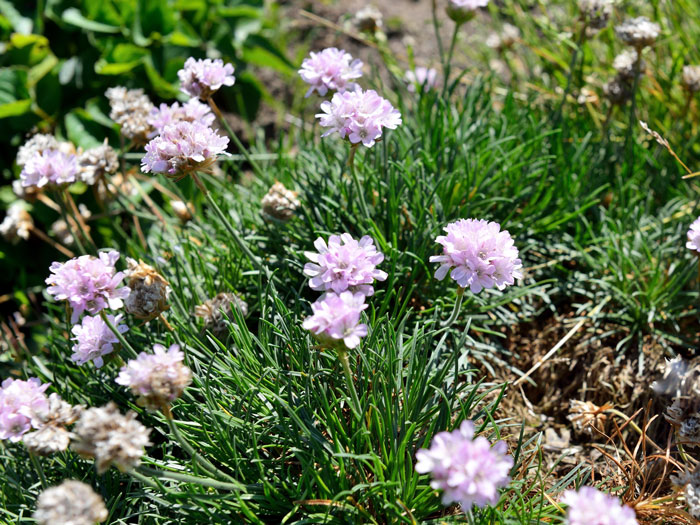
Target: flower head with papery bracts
[[638, 32], [336, 318], [694, 236], [22, 404], [52, 435], [344, 264], [596, 12], [691, 78], [158, 378], [589, 506], [17, 224], [468, 470], [421, 78], [191, 111], [202, 78], [94, 339], [479, 254], [360, 116], [50, 167], [70, 503], [182, 148], [331, 69], [463, 10], [89, 284], [130, 109]]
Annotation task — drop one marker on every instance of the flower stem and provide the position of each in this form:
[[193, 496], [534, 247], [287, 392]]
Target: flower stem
[[447, 67], [455, 310], [39, 468], [356, 181], [120, 337], [570, 74], [186, 478], [345, 363]]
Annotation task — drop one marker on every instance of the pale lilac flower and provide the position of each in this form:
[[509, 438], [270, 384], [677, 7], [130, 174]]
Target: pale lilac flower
[[49, 167], [36, 144], [88, 283], [358, 116], [589, 506], [462, 10], [481, 254], [421, 78], [694, 236], [331, 69], [158, 378], [336, 317], [22, 404], [203, 78], [94, 339], [183, 147], [344, 264], [468, 470], [191, 111]]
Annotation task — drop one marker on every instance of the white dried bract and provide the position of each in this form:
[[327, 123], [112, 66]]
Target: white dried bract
[[597, 13], [691, 482], [130, 109], [211, 312], [280, 203], [691, 78], [36, 144], [638, 32], [52, 435], [506, 39], [626, 65], [70, 503], [149, 291], [27, 193], [17, 224], [111, 438], [369, 19], [183, 210], [586, 416], [95, 162], [618, 90]]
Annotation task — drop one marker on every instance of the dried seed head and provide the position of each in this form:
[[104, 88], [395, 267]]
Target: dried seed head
[[638, 32], [111, 438], [691, 78], [211, 311], [618, 90], [95, 162], [596, 12], [130, 109], [626, 65], [149, 291], [587, 416], [70, 503], [183, 210], [17, 223], [369, 19], [37, 144], [506, 39], [52, 435], [280, 203]]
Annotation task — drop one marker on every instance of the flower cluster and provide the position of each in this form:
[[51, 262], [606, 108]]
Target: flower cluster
[[279, 202], [158, 378], [691, 79], [36, 144], [191, 111], [183, 147], [17, 224], [468, 470], [50, 167], [218, 310], [94, 339], [479, 254], [89, 284], [330, 70], [421, 78], [148, 297], [70, 503], [638, 32], [21, 406], [589, 506], [202, 78], [95, 162], [694, 236], [344, 264], [130, 109], [360, 116], [336, 317], [463, 10], [597, 13], [52, 435]]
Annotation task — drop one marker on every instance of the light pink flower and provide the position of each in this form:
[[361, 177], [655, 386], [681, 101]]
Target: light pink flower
[[94, 339], [191, 111], [336, 317], [694, 236], [22, 405], [421, 78], [589, 506], [49, 167], [330, 69], [203, 78]]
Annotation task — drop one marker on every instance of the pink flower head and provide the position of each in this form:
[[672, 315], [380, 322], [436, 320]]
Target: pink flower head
[[694, 236], [336, 317], [330, 69], [468, 470], [94, 339], [481, 254], [158, 378], [203, 78], [89, 284], [191, 111], [183, 147], [421, 78], [590, 506], [344, 264], [359, 116], [49, 167], [22, 405]]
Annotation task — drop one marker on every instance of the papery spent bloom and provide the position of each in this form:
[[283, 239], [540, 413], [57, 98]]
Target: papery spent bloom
[[691, 78], [690, 481], [468, 470], [463, 10], [638, 32], [279, 202], [694, 236], [217, 312], [421, 78], [596, 12], [111, 438], [191, 111], [36, 144], [336, 318], [369, 19], [331, 69], [17, 224], [344, 264], [52, 435], [21, 405], [360, 116], [94, 339], [586, 416], [49, 167], [158, 378], [626, 65], [618, 90], [202, 78], [479, 254], [70, 503], [88, 283], [589, 506], [130, 109], [506, 39], [183, 210], [149, 291], [96, 162], [182, 148]]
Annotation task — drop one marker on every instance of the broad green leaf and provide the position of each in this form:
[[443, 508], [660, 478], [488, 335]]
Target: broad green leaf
[[13, 85], [164, 88], [74, 17], [16, 108], [82, 131], [27, 50], [260, 51], [181, 39], [20, 23], [40, 70], [122, 59]]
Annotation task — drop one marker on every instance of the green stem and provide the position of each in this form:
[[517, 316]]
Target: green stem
[[455, 310], [186, 478], [120, 337], [629, 143], [448, 64], [570, 74], [40, 469], [345, 363], [65, 212], [356, 181], [436, 27]]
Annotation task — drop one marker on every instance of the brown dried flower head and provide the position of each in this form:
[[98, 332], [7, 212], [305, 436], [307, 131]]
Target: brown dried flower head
[[70, 503], [130, 109], [183, 210], [149, 291], [280, 203], [95, 162], [211, 312], [52, 436], [586, 416], [691, 78]]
